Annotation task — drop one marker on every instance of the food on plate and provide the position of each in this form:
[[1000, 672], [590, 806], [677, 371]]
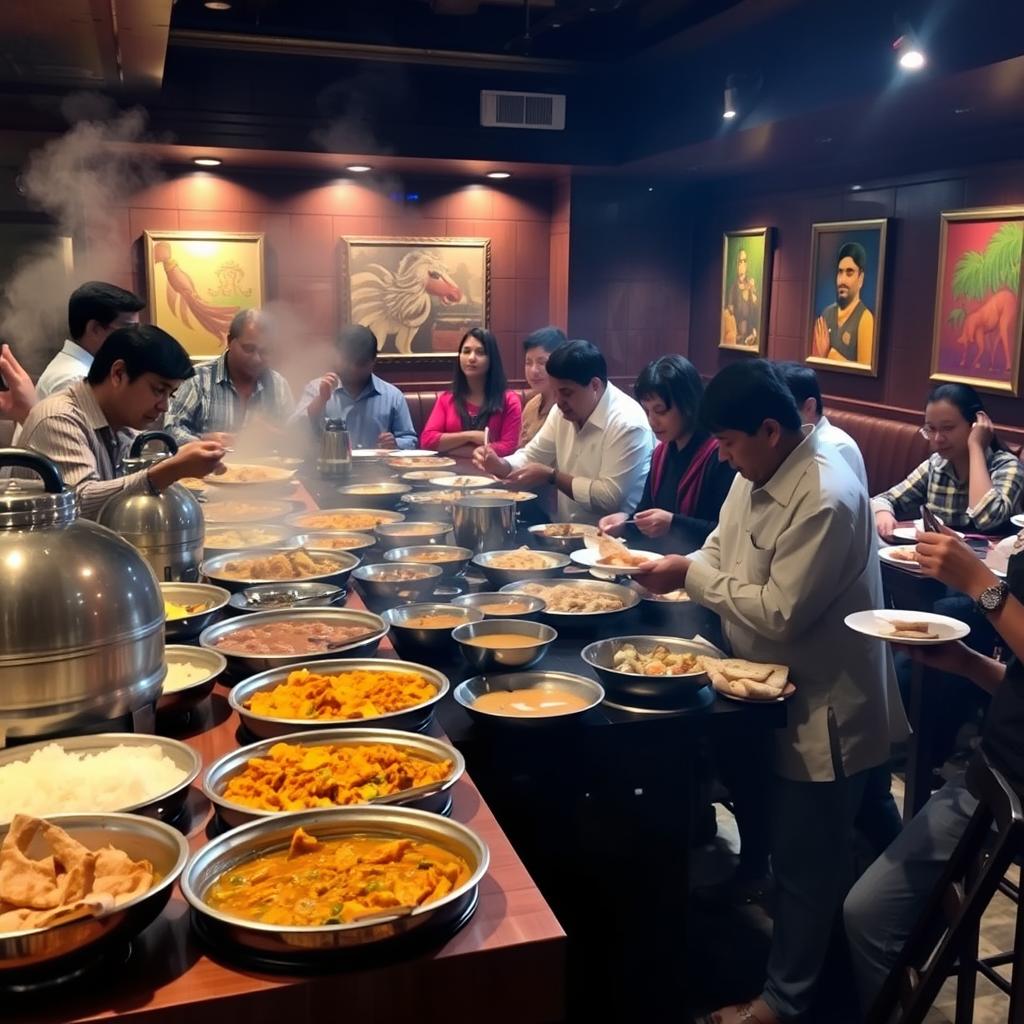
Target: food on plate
[[901, 628], [399, 575], [297, 637], [521, 558], [174, 610], [55, 781], [432, 496], [742, 678], [411, 529], [565, 599], [672, 595], [436, 620], [341, 520], [71, 882], [361, 693], [538, 703], [253, 475], [614, 554], [370, 489], [279, 565], [502, 641], [422, 461], [659, 661], [464, 481], [355, 877], [505, 608], [182, 674], [565, 530], [241, 538], [242, 511], [501, 492], [291, 777], [341, 541], [435, 555], [904, 554]]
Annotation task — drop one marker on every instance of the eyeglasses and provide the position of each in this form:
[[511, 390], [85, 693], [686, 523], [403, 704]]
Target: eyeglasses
[[250, 349], [934, 433]]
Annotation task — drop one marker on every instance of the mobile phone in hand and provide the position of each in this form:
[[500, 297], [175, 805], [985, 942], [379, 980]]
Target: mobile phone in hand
[[932, 523]]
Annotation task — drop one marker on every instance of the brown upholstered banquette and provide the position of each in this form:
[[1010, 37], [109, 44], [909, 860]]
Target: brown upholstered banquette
[[421, 402]]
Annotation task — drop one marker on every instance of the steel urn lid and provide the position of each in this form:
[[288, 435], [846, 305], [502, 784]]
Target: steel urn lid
[[30, 502]]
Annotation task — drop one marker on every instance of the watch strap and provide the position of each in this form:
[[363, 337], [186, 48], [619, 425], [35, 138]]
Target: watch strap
[[991, 599]]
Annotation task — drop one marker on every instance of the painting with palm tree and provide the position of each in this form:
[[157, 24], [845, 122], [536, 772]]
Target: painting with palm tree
[[978, 307]]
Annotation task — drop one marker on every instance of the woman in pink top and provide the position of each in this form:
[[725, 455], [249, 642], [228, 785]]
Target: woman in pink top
[[479, 398]]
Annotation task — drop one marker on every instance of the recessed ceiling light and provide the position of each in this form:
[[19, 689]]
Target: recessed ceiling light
[[217, 5], [909, 53], [359, 168], [650, 188], [206, 161], [962, 110], [499, 175], [729, 104], [856, 188]]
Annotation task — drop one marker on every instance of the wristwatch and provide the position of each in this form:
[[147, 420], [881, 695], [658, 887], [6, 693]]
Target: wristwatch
[[991, 599]]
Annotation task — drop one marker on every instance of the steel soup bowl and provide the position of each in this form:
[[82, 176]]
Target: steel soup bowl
[[467, 692], [415, 718], [415, 532], [491, 659], [436, 797], [212, 662], [43, 954], [455, 559], [215, 598], [487, 602], [381, 593], [300, 945], [581, 620], [432, 642], [277, 596], [214, 568], [499, 577], [382, 494], [564, 544]]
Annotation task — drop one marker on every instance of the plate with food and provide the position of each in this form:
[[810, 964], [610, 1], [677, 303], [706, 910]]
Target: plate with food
[[415, 453], [679, 596], [238, 569], [910, 532], [244, 475], [903, 556], [504, 492], [453, 481], [562, 536], [586, 602], [410, 461], [907, 627], [749, 681], [612, 557], [501, 567], [344, 520], [231, 511]]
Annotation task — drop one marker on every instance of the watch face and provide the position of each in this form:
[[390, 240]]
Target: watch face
[[992, 597]]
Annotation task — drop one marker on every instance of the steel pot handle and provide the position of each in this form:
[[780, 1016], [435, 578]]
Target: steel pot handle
[[152, 435], [47, 469]]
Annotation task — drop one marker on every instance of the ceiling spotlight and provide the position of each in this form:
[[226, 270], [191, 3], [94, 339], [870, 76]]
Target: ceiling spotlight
[[206, 161], [909, 53], [359, 168], [499, 175], [856, 188], [217, 5], [731, 104]]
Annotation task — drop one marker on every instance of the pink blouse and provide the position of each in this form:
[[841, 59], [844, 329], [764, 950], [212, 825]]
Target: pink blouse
[[504, 426]]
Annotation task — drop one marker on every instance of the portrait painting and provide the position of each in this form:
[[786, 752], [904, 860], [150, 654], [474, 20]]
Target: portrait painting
[[976, 335], [847, 274], [746, 285], [418, 296], [198, 280]]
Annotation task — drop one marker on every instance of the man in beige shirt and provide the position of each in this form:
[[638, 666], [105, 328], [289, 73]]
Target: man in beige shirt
[[88, 428], [794, 553]]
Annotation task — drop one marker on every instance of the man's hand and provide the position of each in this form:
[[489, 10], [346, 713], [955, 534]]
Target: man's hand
[[945, 557], [885, 523], [654, 522], [329, 383], [386, 440], [488, 461], [533, 474], [612, 524], [821, 341], [952, 657], [20, 396], [663, 574], [221, 438], [197, 458]]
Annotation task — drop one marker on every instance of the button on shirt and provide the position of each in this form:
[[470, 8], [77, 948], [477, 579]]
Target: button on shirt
[[208, 403], [787, 563], [608, 458], [380, 408]]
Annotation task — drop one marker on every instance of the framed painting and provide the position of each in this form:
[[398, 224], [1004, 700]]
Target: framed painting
[[979, 313], [847, 274], [746, 286], [198, 280], [419, 296]]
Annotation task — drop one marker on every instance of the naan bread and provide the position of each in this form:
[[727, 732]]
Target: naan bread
[[741, 678]]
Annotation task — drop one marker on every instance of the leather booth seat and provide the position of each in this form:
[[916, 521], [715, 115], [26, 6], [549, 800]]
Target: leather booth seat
[[891, 449], [421, 402]]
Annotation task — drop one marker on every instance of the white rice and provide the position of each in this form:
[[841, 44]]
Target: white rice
[[53, 781]]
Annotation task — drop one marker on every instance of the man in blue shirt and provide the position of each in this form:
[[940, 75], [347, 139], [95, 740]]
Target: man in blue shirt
[[374, 411]]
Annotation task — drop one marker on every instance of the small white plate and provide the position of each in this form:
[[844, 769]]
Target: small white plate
[[408, 453], [910, 532], [589, 558], [460, 482], [885, 554], [947, 628]]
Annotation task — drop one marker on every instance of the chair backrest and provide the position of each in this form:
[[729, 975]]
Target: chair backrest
[[993, 837]]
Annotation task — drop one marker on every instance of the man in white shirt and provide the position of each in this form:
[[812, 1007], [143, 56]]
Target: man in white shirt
[[595, 447], [794, 553]]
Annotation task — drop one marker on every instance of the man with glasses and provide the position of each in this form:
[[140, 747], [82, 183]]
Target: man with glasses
[[236, 391]]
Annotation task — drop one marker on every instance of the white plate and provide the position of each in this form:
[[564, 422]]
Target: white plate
[[408, 453], [947, 628], [445, 481], [372, 453], [885, 554], [1018, 520], [787, 691], [589, 557], [910, 532]]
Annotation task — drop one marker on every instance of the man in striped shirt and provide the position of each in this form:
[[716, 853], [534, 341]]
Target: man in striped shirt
[[236, 391]]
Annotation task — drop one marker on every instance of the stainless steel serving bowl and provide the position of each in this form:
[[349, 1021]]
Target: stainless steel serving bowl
[[436, 797], [426, 641], [234, 510], [331, 520], [305, 944], [188, 628], [164, 805], [455, 561], [564, 544], [492, 659], [467, 692], [486, 600], [397, 535], [212, 662], [275, 596], [580, 620], [416, 718], [277, 535], [213, 568], [334, 541], [433, 505], [381, 593], [656, 692], [383, 494], [44, 952], [498, 577]]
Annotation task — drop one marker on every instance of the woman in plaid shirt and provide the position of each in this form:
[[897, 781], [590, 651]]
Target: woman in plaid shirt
[[971, 481]]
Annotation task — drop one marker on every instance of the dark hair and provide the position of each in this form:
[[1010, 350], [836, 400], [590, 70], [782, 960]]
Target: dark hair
[[145, 349], [99, 301], [856, 253], [968, 401], [745, 394], [803, 382], [676, 382], [579, 361], [241, 320], [547, 338], [495, 384], [357, 343]]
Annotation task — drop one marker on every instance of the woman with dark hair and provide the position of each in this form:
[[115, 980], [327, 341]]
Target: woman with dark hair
[[687, 482], [479, 398], [970, 481], [537, 347]]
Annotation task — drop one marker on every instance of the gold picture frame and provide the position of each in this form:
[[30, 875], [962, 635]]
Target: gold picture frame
[[418, 295], [746, 290], [198, 280]]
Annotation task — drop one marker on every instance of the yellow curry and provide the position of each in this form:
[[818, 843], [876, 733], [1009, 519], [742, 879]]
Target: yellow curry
[[337, 881]]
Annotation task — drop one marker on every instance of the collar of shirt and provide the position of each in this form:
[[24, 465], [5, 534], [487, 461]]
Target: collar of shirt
[[85, 398], [599, 417], [785, 479], [221, 375], [942, 465], [369, 390], [79, 354]]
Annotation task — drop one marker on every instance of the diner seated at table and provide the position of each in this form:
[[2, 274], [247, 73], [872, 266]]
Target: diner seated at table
[[375, 412], [479, 400], [971, 481], [88, 428], [596, 449], [538, 347], [687, 482], [794, 553]]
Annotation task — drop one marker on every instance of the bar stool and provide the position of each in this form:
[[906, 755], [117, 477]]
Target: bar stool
[[944, 942]]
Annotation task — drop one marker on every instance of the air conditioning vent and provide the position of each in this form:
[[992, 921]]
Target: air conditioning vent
[[545, 111]]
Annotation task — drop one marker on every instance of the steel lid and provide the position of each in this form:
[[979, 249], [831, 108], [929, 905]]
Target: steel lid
[[34, 501]]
